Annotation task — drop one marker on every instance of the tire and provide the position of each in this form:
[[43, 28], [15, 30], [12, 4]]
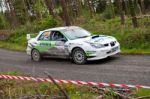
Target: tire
[[79, 56], [35, 55]]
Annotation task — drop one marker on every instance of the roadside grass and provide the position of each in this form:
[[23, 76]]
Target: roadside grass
[[20, 89], [14, 89], [135, 51], [132, 40], [143, 92], [12, 46]]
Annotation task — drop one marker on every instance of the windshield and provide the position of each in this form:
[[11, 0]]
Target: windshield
[[75, 33]]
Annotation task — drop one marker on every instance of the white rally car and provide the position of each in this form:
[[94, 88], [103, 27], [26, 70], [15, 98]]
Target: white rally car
[[71, 42]]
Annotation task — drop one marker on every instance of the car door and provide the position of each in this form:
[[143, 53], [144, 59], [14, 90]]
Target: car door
[[59, 41], [44, 43]]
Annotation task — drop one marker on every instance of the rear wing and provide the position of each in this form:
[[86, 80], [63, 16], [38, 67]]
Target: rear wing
[[28, 37]]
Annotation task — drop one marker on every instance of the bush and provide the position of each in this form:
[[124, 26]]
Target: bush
[[45, 23], [109, 12], [3, 22], [18, 36]]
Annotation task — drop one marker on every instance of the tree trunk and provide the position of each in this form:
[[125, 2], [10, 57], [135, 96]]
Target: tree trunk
[[111, 8], [133, 14], [50, 6], [1, 7], [65, 13], [12, 12], [79, 4], [89, 2], [142, 6], [121, 12], [126, 7], [26, 10]]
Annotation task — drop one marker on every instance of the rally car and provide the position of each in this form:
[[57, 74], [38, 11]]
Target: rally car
[[71, 42]]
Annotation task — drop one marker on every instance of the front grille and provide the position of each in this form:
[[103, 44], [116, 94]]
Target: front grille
[[112, 44]]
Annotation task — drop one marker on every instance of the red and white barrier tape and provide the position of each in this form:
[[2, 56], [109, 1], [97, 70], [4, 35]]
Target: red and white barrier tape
[[24, 78]]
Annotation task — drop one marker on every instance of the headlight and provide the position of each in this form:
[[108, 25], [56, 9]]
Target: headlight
[[95, 45]]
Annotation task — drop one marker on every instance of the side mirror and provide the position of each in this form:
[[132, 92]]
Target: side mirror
[[63, 40], [28, 37]]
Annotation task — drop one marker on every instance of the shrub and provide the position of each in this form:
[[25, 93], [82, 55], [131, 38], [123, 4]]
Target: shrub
[[18, 36], [109, 12], [136, 40], [3, 22], [45, 23]]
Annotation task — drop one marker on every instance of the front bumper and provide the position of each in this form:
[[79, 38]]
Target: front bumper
[[104, 52], [28, 50]]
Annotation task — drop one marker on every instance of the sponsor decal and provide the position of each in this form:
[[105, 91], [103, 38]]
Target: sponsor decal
[[89, 53]]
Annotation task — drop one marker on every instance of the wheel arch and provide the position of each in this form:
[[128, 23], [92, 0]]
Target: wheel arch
[[76, 48], [34, 49]]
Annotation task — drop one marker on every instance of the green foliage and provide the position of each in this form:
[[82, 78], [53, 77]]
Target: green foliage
[[143, 92], [46, 23], [3, 22], [109, 11], [18, 36], [136, 40], [20, 10], [40, 9], [19, 89], [12, 46], [132, 40], [101, 6]]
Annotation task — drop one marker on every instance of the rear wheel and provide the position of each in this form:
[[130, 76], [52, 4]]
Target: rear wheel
[[35, 55], [78, 56]]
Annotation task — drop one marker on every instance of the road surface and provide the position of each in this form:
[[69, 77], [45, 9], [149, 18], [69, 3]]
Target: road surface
[[127, 69]]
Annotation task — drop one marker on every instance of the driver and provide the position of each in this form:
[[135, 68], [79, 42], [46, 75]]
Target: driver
[[46, 36]]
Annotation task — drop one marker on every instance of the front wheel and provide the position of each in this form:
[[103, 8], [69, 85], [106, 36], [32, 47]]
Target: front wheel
[[35, 55], [79, 56]]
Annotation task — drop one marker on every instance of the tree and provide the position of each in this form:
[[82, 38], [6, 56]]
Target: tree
[[11, 12], [126, 7], [133, 14], [101, 6], [121, 12], [29, 6], [40, 9], [65, 12], [50, 6], [20, 9], [109, 11], [90, 5], [74, 7], [142, 6], [1, 7]]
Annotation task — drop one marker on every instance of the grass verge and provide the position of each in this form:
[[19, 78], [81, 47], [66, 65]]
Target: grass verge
[[12, 89], [12, 46], [132, 40]]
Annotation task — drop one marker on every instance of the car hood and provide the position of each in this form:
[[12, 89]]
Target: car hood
[[101, 39]]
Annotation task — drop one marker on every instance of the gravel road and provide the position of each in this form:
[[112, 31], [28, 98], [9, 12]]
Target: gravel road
[[128, 69]]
